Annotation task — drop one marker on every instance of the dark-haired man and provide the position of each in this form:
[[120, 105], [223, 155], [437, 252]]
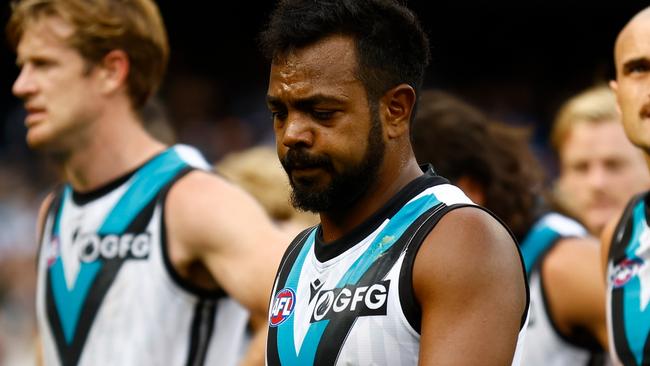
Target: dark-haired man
[[403, 268]]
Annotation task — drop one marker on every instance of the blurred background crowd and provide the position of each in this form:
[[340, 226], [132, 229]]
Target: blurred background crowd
[[518, 63]]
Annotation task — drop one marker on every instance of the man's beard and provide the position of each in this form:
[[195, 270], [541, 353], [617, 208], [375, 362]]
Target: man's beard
[[346, 187]]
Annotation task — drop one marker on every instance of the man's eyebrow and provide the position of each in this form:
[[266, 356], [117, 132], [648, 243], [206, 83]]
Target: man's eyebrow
[[635, 62], [304, 102]]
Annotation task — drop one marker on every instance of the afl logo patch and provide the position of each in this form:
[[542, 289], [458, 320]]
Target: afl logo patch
[[624, 272], [283, 305]]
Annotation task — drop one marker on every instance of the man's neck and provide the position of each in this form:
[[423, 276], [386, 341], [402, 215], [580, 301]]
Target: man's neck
[[337, 223], [112, 148]]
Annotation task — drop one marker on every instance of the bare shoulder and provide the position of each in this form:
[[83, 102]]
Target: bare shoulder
[[572, 269], [202, 203], [473, 238], [469, 280], [571, 255], [200, 185], [471, 251]]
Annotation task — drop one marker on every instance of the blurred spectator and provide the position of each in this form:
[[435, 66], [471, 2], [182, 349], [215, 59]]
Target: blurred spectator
[[600, 169]]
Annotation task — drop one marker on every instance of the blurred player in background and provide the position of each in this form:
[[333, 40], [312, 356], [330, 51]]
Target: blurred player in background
[[140, 245], [600, 170]]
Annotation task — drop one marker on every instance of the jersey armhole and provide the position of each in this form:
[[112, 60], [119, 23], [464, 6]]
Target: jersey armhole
[[183, 283], [582, 338], [410, 308]]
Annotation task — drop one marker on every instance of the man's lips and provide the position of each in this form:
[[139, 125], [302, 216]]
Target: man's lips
[[34, 114], [306, 169]]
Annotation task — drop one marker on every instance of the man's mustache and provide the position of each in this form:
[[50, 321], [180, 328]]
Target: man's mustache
[[301, 159]]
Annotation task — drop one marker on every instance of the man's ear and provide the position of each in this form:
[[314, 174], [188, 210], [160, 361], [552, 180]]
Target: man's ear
[[396, 107], [613, 84], [113, 70]]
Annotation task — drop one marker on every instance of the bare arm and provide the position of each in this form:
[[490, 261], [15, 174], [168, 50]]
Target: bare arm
[[606, 242], [469, 281], [217, 224], [257, 348], [574, 288], [42, 212]]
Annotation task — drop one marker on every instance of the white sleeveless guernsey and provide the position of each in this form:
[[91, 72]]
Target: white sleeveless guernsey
[[545, 345], [107, 293], [350, 302]]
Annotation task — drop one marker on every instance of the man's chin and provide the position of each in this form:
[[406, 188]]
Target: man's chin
[[37, 142], [310, 201], [44, 144]]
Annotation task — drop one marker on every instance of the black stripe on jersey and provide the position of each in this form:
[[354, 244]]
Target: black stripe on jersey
[[623, 231], [289, 257], [176, 277], [201, 332], [620, 241], [81, 198], [580, 337], [340, 325], [621, 344], [410, 307], [70, 354]]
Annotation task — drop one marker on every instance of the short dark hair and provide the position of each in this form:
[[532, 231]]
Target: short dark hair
[[391, 46], [460, 141]]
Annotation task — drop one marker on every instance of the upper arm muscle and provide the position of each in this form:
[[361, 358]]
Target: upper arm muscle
[[469, 281]]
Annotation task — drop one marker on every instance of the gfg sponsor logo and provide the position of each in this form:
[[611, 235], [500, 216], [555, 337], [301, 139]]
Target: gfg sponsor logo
[[283, 305], [92, 246], [361, 300]]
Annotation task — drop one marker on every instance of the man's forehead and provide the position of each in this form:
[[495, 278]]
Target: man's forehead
[[635, 34], [47, 28], [332, 57]]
